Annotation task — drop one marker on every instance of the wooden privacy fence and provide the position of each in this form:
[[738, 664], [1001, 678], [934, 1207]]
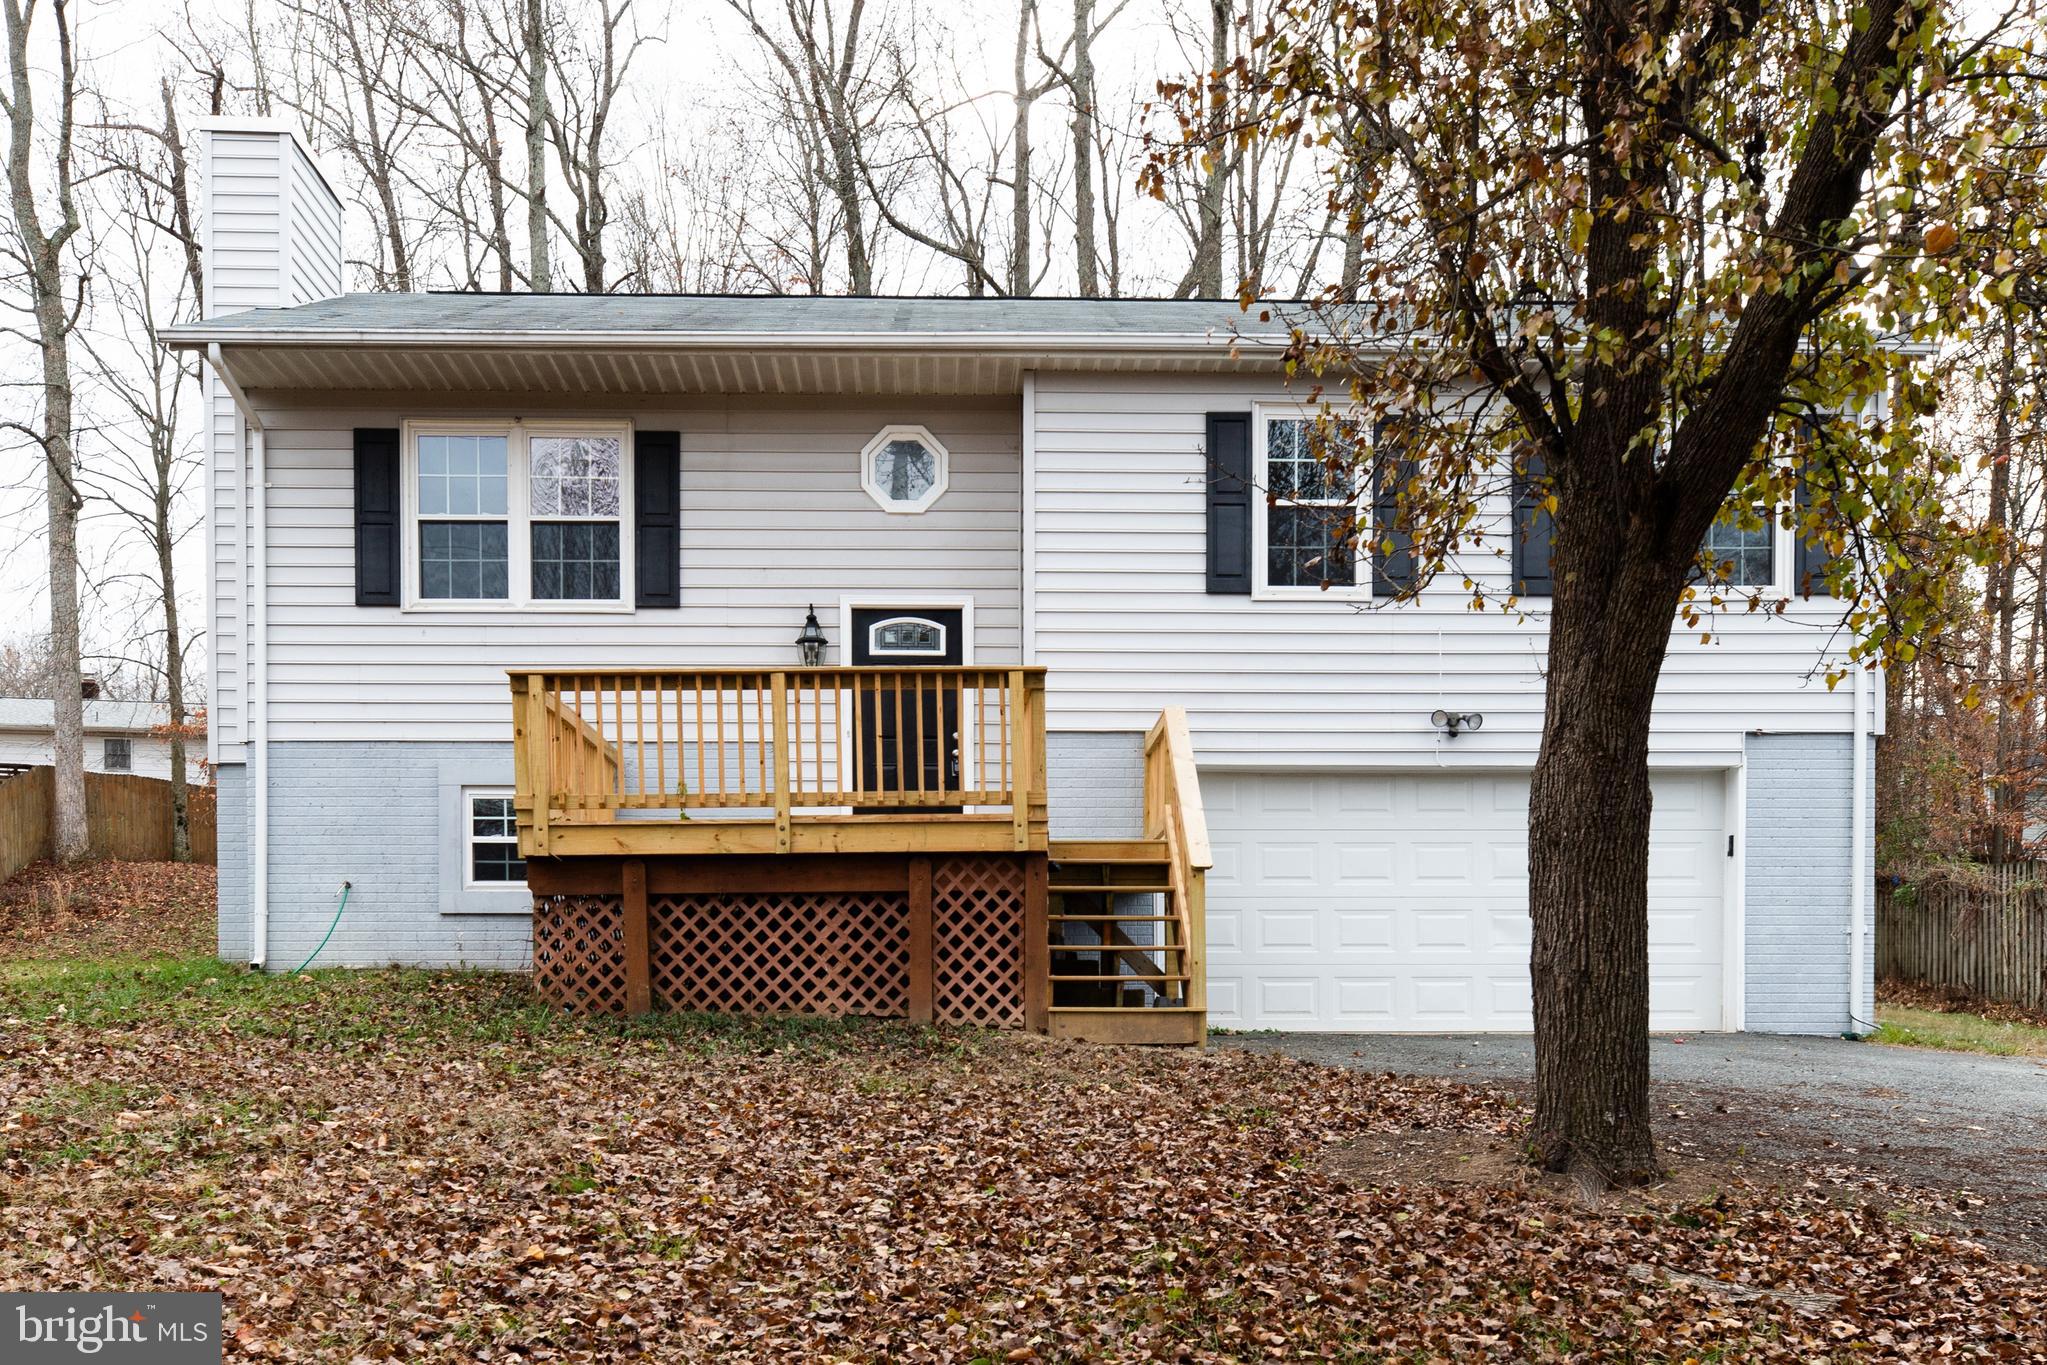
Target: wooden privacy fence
[[1986, 936], [127, 818]]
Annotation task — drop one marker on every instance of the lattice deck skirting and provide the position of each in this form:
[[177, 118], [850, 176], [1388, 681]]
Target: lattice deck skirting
[[819, 953], [948, 946]]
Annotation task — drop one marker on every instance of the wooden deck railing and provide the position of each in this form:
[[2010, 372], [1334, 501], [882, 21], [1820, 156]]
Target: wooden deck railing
[[776, 745], [1172, 812]]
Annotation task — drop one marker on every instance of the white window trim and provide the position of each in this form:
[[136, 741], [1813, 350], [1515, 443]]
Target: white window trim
[[469, 799], [127, 752], [940, 479], [518, 516], [1262, 589]]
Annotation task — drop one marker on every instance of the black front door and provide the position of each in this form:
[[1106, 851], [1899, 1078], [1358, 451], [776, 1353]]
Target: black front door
[[909, 735]]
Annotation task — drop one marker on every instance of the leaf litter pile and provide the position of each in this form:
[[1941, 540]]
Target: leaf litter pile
[[108, 908], [418, 1166]]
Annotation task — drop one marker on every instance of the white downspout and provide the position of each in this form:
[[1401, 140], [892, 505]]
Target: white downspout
[[1858, 898], [1027, 560], [259, 665]]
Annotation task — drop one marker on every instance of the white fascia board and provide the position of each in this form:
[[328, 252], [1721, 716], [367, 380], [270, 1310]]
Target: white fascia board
[[192, 336]]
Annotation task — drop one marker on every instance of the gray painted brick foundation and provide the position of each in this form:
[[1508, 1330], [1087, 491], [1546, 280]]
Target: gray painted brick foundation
[[385, 818], [1798, 884], [231, 816], [377, 816]]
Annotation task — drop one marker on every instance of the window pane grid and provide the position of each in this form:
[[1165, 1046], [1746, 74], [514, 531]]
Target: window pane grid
[[1744, 556], [463, 476], [494, 841], [1306, 547], [1310, 528], [464, 560], [540, 510], [575, 560], [575, 476], [1295, 473]]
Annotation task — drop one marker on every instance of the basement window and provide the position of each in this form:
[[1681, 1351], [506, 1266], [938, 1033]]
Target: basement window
[[494, 840]]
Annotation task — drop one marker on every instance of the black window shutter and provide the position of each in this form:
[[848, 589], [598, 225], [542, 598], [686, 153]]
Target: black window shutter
[[1229, 502], [1392, 544], [657, 518], [1533, 527], [1809, 560], [378, 520]]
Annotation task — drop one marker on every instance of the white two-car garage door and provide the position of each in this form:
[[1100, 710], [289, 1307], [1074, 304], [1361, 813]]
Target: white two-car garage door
[[1400, 902]]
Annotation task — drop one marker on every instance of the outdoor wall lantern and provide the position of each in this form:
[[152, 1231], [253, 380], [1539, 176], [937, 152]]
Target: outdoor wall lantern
[[1452, 723], [810, 644]]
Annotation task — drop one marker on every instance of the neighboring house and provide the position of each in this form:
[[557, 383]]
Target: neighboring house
[[120, 736], [517, 659]]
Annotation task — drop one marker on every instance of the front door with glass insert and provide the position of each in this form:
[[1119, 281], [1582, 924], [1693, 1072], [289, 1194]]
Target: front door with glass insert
[[909, 735]]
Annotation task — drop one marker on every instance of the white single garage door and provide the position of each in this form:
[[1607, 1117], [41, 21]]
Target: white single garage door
[[1400, 902]]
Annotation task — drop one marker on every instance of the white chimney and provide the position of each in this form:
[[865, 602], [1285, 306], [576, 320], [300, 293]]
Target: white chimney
[[270, 223]]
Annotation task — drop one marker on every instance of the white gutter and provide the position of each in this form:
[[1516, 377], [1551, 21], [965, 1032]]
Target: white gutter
[[193, 335], [1859, 878], [259, 665]]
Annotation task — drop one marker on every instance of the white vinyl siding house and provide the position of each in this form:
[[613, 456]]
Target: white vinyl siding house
[[120, 736], [1368, 864]]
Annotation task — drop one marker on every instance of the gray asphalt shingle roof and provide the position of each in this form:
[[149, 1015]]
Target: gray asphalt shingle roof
[[756, 315]]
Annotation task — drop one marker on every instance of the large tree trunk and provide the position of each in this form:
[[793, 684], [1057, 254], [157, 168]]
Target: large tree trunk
[[1083, 91], [539, 276], [68, 835], [1588, 874], [174, 668], [1020, 160], [43, 253], [1207, 274], [2007, 821]]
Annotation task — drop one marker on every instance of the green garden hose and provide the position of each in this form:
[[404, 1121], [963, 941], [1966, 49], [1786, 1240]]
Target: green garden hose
[[335, 923]]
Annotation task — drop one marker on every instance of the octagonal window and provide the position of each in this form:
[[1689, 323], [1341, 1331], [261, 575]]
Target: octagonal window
[[903, 469]]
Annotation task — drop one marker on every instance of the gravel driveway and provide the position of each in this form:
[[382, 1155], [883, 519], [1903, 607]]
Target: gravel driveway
[[1971, 1129]]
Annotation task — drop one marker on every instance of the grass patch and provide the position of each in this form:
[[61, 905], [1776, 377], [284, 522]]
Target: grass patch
[[343, 1007], [1903, 1026]]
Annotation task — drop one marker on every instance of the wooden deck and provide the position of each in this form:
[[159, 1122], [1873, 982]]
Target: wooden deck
[[848, 841], [779, 761]]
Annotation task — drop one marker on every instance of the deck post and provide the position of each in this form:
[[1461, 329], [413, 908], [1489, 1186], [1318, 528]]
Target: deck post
[[1037, 944], [780, 702], [539, 740], [1023, 712], [639, 991], [921, 945]]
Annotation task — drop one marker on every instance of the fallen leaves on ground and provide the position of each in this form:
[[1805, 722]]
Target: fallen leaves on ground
[[1919, 995], [426, 1167], [107, 909]]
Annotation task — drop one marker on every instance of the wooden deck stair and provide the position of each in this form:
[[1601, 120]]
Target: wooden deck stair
[[1124, 921]]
